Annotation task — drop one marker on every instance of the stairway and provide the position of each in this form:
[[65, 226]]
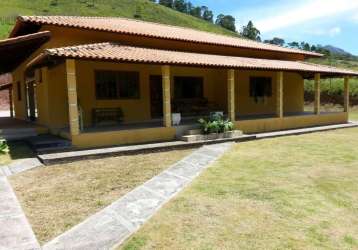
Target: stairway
[[48, 144], [13, 134]]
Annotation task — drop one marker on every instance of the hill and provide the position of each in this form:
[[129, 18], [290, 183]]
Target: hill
[[140, 9], [337, 51]]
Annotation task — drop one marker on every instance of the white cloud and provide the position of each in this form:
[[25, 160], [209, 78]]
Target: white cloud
[[324, 32], [334, 31], [305, 11], [355, 17]]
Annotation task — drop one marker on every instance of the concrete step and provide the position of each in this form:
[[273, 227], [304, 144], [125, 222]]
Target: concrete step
[[201, 137], [48, 143], [17, 134], [193, 132]]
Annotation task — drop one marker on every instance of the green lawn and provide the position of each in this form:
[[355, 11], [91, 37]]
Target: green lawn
[[298, 192]]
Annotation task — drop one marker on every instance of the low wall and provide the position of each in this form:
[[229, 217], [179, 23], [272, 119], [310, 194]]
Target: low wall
[[291, 122], [133, 136]]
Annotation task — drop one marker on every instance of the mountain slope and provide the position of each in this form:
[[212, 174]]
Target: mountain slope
[[142, 9], [337, 51]]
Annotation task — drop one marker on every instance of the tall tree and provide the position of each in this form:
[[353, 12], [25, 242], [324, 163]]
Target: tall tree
[[166, 3], [207, 14], [251, 32], [180, 5], [226, 21], [277, 41]]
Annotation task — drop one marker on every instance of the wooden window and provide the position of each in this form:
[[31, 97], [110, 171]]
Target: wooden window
[[18, 87], [112, 85], [260, 87], [188, 87]]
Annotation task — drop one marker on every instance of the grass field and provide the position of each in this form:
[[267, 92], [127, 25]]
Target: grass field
[[55, 198], [123, 8], [298, 192]]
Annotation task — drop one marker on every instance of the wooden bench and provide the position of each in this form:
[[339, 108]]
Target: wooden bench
[[106, 116]]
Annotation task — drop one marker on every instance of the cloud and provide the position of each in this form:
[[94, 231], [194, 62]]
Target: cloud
[[334, 31], [355, 17], [324, 32], [305, 11]]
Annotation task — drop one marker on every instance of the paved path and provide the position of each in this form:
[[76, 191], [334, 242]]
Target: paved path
[[111, 226], [15, 231], [19, 166]]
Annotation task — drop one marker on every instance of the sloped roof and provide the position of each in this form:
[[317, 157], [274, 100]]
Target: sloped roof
[[155, 30], [120, 53], [14, 51]]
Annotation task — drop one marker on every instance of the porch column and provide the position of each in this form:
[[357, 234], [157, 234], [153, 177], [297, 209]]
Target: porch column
[[231, 94], [317, 100], [72, 96], [346, 94], [11, 102], [279, 96], [167, 114]]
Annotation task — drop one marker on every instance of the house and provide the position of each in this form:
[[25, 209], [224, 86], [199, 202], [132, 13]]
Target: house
[[102, 81]]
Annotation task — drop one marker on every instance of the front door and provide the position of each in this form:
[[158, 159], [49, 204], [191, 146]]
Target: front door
[[156, 96]]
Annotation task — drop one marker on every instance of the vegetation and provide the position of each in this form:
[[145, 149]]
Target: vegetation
[[215, 124], [334, 87], [295, 192], [3, 147], [140, 9], [56, 198]]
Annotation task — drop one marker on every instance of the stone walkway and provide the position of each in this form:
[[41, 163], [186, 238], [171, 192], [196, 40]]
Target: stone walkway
[[15, 231], [19, 166], [114, 224]]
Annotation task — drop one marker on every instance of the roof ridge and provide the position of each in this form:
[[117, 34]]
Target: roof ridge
[[173, 26], [252, 42]]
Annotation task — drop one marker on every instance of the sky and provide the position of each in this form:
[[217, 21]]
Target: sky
[[325, 22]]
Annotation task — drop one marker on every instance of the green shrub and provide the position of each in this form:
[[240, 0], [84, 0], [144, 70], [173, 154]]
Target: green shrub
[[3, 147], [215, 124]]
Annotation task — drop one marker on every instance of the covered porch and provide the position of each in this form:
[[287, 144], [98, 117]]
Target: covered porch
[[258, 95]]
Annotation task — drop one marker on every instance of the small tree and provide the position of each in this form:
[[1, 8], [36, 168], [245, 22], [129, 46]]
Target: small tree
[[166, 3], [196, 11], [251, 32], [276, 41], [226, 21], [207, 14], [180, 5], [294, 45]]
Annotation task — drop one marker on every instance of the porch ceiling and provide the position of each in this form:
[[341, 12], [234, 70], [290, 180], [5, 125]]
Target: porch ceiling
[[14, 51], [119, 53]]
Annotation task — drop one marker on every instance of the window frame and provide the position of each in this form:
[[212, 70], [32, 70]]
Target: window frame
[[117, 80]]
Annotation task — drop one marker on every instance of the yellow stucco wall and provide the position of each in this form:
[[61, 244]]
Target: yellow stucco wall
[[293, 93], [88, 140], [291, 122]]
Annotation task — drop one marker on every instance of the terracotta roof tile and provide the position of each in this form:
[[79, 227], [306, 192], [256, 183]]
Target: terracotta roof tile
[[120, 53], [135, 27]]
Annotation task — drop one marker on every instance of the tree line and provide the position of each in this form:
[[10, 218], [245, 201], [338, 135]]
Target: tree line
[[203, 12], [299, 45]]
